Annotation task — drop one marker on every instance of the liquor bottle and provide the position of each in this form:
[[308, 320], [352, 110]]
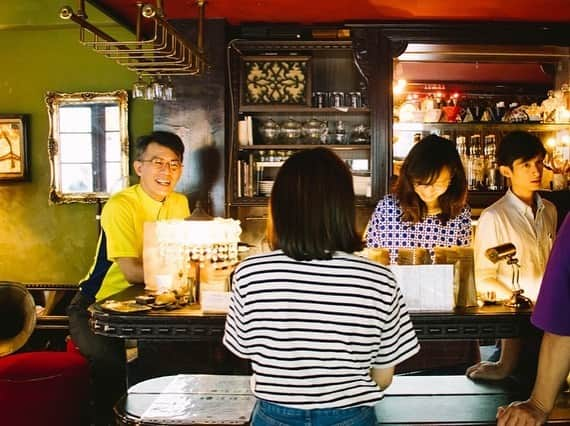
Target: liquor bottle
[[461, 144], [476, 164], [493, 178]]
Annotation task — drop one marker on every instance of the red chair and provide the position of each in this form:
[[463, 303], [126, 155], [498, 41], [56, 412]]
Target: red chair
[[42, 388]]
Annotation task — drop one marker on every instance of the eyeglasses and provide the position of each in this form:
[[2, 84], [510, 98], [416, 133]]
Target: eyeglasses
[[159, 163], [436, 185]]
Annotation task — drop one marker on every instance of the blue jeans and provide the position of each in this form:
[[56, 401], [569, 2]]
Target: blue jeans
[[269, 414]]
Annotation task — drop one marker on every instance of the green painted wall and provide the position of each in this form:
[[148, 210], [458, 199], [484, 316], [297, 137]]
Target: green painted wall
[[40, 52]]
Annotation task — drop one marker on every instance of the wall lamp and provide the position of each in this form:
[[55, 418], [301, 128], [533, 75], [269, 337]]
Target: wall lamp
[[165, 53], [507, 252]]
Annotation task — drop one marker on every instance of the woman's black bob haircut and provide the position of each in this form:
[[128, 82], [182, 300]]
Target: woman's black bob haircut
[[423, 165], [312, 207]]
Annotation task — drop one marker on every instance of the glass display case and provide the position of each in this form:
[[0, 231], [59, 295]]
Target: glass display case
[[453, 84]]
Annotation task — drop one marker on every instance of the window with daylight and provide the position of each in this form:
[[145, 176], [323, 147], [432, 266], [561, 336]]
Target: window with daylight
[[88, 145]]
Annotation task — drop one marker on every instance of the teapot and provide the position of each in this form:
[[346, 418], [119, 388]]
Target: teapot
[[315, 131], [291, 131], [269, 131], [360, 134]]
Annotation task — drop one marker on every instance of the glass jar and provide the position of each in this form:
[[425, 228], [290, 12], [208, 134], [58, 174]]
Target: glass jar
[[340, 133], [315, 131], [360, 134], [291, 131], [269, 131]]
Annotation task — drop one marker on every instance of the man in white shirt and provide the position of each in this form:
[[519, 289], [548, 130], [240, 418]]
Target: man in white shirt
[[520, 217]]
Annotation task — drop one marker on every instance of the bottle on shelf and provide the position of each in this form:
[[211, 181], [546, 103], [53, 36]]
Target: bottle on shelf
[[462, 149], [500, 110], [476, 164], [493, 179], [340, 133]]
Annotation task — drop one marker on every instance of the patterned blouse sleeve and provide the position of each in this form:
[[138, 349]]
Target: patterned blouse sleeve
[[464, 229], [373, 227]]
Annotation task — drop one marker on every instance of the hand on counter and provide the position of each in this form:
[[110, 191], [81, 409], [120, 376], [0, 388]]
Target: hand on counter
[[525, 413], [487, 370]]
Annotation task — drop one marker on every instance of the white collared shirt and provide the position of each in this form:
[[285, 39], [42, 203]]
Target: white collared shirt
[[510, 220]]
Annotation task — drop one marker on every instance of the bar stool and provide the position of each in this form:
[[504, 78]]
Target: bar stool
[[37, 388]]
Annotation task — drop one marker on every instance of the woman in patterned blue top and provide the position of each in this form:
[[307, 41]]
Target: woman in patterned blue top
[[428, 207]]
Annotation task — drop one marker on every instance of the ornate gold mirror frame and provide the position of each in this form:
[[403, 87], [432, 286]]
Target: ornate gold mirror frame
[[88, 145]]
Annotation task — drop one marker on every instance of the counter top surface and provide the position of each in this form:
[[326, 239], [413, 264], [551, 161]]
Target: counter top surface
[[190, 323]]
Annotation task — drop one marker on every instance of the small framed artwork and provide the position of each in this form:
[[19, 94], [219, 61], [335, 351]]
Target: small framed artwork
[[268, 81], [14, 147]]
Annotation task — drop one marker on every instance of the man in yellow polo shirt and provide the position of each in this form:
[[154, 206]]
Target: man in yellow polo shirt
[[118, 262]]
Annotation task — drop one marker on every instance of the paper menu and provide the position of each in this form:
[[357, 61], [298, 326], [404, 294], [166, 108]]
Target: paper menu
[[192, 399]]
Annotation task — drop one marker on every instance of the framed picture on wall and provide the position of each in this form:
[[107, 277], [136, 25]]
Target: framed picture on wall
[[14, 160], [276, 80]]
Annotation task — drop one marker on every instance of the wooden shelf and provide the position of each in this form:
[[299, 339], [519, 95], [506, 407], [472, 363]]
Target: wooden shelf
[[354, 147], [487, 125], [302, 109], [263, 201]]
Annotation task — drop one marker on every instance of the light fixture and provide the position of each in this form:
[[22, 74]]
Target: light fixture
[[176, 251], [165, 53], [508, 252]]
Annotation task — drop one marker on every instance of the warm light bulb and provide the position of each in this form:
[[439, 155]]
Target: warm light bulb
[[399, 86]]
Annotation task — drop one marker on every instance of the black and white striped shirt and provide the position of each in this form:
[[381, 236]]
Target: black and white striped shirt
[[313, 329]]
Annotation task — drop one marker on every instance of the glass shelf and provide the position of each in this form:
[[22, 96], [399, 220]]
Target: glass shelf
[[348, 147], [529, 126], [284, 109]]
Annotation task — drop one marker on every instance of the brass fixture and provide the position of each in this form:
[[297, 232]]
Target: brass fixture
[[165, 53], [507, 252]]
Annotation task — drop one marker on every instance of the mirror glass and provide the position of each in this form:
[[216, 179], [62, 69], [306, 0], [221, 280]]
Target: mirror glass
[[88, 145]]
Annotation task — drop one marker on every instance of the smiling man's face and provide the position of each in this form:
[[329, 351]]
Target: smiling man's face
[[159, 170]]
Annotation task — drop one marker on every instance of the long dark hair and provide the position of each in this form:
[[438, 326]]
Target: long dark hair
[[424, 163], [312, 211]]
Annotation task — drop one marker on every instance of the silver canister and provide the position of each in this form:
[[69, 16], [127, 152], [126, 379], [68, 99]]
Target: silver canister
[[354, 99], [320, 99], [337, 99]]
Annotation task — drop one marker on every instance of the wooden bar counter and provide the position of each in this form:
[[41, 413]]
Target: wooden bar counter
[[189, 323]]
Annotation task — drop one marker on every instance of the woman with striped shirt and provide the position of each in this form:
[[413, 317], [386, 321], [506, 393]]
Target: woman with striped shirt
[[323, 328]]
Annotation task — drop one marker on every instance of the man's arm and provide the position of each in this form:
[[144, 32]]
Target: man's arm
[[553, 367], [486, 272], [132, 269], [382, 376], [488, 370]]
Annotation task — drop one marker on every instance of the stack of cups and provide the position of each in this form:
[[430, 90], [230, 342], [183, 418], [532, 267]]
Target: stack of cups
[[467, 294], [379, 255], [445, 255], [415, 256]]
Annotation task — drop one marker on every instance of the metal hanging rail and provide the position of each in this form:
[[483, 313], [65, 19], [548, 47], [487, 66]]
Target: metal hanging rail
[[165, 53]]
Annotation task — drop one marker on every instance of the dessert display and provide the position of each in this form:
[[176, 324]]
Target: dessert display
[[171, 247]]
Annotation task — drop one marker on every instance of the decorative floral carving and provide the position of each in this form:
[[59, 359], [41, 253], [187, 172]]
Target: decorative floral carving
[[276, 81]]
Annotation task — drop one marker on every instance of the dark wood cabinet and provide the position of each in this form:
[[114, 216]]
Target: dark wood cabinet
[[366, 64], [334, 105]]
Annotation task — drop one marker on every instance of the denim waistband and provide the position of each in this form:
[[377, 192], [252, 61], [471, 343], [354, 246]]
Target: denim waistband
[[281, 410]]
